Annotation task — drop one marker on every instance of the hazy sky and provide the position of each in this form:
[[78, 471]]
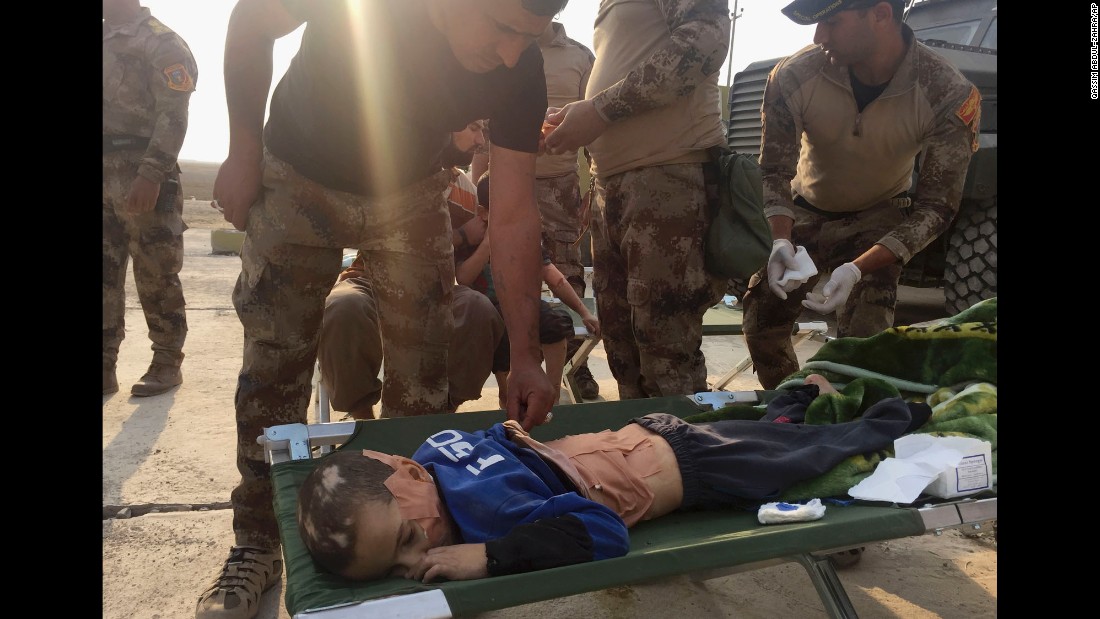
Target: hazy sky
[[761, 32]]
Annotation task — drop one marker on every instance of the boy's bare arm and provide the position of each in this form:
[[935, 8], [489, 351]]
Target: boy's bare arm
[[468, 270], [562, 289]]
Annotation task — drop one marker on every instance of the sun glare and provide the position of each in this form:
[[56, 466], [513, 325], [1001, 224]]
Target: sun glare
[[374, 72]]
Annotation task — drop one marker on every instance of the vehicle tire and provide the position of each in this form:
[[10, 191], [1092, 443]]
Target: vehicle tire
[[971, 272]]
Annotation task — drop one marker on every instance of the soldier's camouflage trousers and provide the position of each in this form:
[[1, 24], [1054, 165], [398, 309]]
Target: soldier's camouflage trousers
[[290, 259], [154, 240], [650, 283], [559, 200], [769, 321]]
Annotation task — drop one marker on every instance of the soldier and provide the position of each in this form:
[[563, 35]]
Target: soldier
[[148, 77], [350, 157], [567, 65], [844, 120], [349, 351], [652, 110]]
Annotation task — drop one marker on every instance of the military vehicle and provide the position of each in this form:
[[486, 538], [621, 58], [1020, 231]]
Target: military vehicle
[[963, 260]]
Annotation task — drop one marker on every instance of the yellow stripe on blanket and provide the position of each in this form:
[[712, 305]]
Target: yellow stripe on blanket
[[981, 330]]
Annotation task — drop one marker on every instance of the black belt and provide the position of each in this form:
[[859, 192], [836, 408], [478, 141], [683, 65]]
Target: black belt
[[804, 203], [114, 143]]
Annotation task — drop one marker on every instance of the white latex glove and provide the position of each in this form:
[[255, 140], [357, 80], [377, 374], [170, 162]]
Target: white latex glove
[[793, 278], [836, 291], [781, 259]]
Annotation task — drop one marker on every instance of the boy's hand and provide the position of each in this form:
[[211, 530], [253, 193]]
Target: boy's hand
[[458, 562], [593, 325]]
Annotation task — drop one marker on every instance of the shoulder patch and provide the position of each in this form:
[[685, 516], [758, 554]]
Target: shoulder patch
[[157, 27], [179, 79], [970, 113]]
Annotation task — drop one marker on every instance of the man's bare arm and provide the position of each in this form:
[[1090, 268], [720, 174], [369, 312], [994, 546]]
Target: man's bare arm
[[253, 28], [514, 232]]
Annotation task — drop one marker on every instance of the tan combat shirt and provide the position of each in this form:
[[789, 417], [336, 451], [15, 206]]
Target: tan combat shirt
[[656, 80], [149, 74], [817, 143]]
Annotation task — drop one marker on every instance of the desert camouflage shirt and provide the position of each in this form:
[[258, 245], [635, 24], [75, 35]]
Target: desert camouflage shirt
[[817, 143], [149, 74]]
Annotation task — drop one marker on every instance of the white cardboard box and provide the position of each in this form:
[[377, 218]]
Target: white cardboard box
[[971, 473]]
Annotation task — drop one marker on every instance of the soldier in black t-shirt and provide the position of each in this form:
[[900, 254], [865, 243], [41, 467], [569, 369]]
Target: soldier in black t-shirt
[[350, 157]]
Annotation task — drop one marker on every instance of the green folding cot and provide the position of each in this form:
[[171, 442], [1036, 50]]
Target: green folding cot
[[704, 544]]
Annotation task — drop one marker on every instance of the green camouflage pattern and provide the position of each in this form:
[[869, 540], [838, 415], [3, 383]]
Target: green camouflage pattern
[[155, 242], [651, 284], [138, 101], [559, 200], [946, 147], [691, 58], [946, 139], [149, 74], [830, 242], [291, 256]]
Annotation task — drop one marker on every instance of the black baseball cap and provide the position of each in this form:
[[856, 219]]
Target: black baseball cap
[[806, 12]]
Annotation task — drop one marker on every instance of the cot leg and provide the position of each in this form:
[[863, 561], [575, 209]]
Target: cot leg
[[322, 395], [741, 366], [828, 586], [803, 332], [574, 364]]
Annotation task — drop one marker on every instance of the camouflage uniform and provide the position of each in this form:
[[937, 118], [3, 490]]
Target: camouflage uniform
[[290, 259], [148, 77], [567, 65], [559, 199], [650, 202], [851, 170]]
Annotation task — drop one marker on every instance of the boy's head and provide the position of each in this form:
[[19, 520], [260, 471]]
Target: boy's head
[[367, 515], [483, 196]]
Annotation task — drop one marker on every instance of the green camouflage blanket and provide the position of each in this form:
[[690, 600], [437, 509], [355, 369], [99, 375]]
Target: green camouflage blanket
[[950, 364]]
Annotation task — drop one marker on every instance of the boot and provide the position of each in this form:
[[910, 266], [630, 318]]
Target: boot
[[160, 378], [589, 389], [236, 592], [110, 380]]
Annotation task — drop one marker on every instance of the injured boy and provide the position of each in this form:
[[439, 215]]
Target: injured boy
[[494, 502]]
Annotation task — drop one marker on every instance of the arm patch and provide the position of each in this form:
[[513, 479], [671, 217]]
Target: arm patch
[[970, 112], [179, 79]]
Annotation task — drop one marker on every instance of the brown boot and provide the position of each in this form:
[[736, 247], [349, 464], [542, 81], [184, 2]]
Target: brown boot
[[160, 378], [235, 594], [110, 380]]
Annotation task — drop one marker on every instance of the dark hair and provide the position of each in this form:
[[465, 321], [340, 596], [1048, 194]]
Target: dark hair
[[545, 7], [329, 501], [483, 190]]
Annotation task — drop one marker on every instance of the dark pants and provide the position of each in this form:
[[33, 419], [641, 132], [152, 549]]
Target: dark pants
[[740, 463], [555, 325]]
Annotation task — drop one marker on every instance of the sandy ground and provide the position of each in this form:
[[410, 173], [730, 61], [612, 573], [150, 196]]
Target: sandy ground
[[168, 469]]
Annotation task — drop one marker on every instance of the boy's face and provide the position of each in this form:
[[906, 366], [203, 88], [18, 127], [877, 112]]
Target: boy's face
[[393, 537]]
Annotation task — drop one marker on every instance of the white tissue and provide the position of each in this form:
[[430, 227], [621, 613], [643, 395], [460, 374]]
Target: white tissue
[[776, 513], [802, 273]]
